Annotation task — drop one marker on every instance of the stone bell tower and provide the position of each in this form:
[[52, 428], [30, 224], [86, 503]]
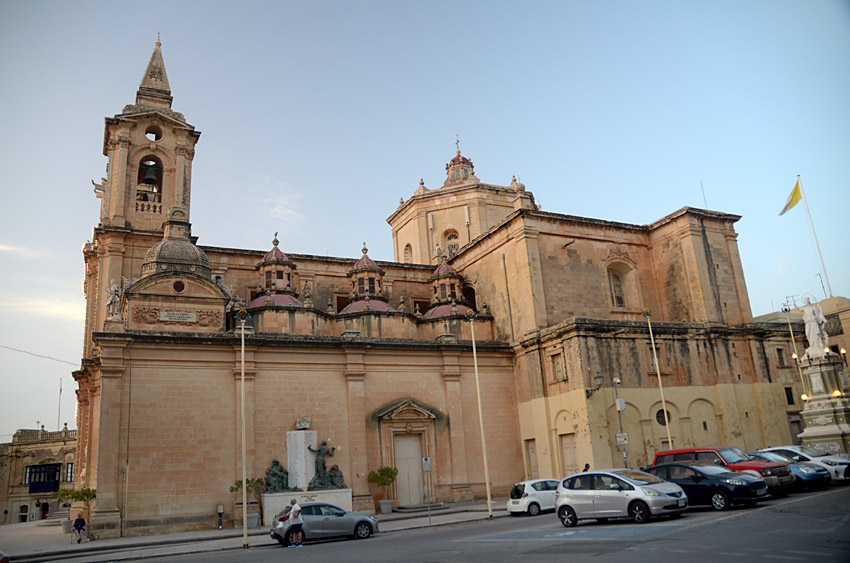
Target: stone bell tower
[[150, 149]]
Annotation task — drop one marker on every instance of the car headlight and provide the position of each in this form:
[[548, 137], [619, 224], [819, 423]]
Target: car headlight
[[833, 463], [807, 470], [736, 482], [651, 492]]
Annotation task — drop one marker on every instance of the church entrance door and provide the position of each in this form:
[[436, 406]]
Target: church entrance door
[[408, 461]]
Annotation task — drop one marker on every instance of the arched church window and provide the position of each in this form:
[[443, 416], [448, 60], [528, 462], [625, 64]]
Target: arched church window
[[452, 243], [616, 288], [408, 254], [149, 181]]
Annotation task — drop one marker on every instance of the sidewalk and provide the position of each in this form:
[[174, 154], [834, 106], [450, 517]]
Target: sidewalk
[[31, 542]]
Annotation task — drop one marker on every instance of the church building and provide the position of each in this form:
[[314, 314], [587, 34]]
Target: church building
[[379, 354]]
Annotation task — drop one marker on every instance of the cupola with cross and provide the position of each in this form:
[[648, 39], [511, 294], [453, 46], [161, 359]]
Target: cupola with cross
[[367, 289], [459, 170], [150, 149], [277, 271]]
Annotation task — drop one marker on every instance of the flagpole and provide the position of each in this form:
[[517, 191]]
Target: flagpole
[[817, 244], [59, 412]]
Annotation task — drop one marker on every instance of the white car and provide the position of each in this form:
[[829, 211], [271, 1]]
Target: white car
[[837, 465], [531, 497], [618, 493]]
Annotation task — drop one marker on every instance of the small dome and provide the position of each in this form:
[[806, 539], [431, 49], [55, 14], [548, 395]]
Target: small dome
[[445, 269], [360, 306], [275, 255], [445, 310], [365, 263], [176, 253], [278, 300]]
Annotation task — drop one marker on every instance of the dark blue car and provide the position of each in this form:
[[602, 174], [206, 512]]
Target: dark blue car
[[808, 475], [712, 485]]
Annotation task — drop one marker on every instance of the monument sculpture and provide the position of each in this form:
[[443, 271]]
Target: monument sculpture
[[322, 480], [277, 478], [815, 329]]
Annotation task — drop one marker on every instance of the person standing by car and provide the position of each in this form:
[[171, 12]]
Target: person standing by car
[[79, 527], [297, 522]]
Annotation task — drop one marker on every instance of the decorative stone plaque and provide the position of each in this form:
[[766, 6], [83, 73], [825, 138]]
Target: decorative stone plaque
[[178, 317]]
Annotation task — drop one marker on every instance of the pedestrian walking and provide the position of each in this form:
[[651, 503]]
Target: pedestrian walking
[[297, 522]]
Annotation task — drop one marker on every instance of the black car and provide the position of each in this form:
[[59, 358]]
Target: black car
[[709, 484]]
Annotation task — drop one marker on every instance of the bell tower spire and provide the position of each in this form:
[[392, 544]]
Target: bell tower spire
[[154, 90], [150, 148]]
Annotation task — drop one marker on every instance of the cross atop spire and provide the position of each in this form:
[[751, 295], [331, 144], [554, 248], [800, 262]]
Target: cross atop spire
[[154, 90]]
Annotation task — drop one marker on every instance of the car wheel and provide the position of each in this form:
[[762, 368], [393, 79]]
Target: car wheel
[[533, 509], [287, 540], [567, 516], [362, 530], [639, 512], [720, 501]]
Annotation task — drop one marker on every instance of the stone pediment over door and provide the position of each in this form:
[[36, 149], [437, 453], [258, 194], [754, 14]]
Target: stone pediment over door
[[407, 419]]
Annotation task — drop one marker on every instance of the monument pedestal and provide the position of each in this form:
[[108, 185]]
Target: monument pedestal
[[826, 415], [301, 461]]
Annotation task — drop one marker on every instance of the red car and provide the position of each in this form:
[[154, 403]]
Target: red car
[[777, 475]]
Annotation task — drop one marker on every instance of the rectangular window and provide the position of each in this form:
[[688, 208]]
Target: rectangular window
[[69, 473], [789, 395], [361, 285], [558, 367], [443, 291], [268, 279], [27, 474], [371, 285], [780, 356], [652, 367], [280, 275]]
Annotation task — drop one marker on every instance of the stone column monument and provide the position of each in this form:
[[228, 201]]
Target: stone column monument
[[826, 415]]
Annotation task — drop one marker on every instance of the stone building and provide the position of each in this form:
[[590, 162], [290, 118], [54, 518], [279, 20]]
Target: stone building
[[36, 464], [379, 354]]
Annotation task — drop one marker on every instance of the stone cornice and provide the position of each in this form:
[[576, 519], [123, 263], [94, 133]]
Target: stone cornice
[[275, 340]]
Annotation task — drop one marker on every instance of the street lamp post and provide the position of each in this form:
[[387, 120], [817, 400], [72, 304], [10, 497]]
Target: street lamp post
[[617, 382], [647, 313], [243, 315], [471, 316]]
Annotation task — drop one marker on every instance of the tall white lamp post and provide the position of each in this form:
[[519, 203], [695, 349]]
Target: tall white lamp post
[[471, 316], [243, 315], [647, 313]]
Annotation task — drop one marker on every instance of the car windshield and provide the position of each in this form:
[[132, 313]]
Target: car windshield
[[811, 452], [733, 455], [712, 469], [769, 456], [639, 477]]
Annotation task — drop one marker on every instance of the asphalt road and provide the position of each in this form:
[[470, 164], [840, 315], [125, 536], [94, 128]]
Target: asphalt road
[[804, 527]]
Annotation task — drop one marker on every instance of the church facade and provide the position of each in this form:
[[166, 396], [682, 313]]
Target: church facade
[[379, 354]]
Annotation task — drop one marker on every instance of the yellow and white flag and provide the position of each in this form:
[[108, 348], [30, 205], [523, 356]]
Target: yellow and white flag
[[793, 199]]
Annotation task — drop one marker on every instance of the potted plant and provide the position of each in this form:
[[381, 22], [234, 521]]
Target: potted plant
[[384, 477], [255, 487]]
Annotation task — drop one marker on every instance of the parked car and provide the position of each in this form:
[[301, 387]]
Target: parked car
[[837, 465], [322, 520], [712, 485], [807, 475], [617, 493], [777, 475], [531, 497]]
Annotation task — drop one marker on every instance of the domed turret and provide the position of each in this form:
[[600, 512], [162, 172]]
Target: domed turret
[[460, 171], [447, 292], [367, 291]]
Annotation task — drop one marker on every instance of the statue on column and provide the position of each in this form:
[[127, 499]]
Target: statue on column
[[113, 301], [815, 329]]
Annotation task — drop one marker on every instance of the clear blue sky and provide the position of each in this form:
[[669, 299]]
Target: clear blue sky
[[318, 116]]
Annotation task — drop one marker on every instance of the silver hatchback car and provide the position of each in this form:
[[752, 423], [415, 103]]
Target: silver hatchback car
[[322, 520], [617, 493]]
